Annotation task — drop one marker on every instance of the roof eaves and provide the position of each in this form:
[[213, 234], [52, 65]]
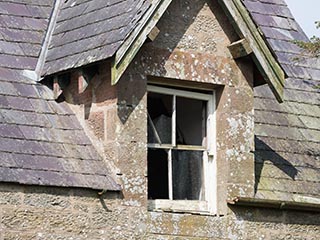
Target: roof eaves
[[135, 40], [263, 56]]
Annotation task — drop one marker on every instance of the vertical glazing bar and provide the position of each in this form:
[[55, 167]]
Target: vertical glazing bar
[[170, 174], [174, 118]]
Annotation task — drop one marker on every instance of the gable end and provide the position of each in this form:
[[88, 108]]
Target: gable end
[[266, 63]]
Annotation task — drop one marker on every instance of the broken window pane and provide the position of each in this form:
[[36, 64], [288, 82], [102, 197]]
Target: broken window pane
[[158, 174], [191, 121], [159, 118], [187, 175]]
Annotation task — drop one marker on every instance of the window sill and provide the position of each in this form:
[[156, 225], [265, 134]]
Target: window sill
[[179, 206]]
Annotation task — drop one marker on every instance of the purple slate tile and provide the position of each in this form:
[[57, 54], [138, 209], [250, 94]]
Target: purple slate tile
[[20, 35], [26, 90], [27, 23], [73, 151], [41, 106], [296, 71], [2, 120], [44, 92], [36, 24], [10, 48], [301, 96], [268, 9], [75, 47], [284, 46], [96, 16], [111, 35], [47, 3], [277, 2], [20, 146], [302, 85], [39, 11], [25, 118], [102, 182], [95, 55], [68, 136], [106, 16], [63, 121], [9, 8], [8, 88], [3, 102], [10, 131], [18, 62], [7, 160], [283, 34], [8, 74], [79, 138], [60, 64], [60, 108], [72, 12], [34, 133], [45, 163], [31, 50], [91, 167], [9, 174], [19, 103], [54, 149], [272, 21], [314, 73], [88, 152]]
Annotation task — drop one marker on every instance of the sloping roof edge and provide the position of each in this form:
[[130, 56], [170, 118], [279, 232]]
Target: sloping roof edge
[[134, 42], [263, 57], [244, 25]]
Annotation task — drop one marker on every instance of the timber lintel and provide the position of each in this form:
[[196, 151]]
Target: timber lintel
[[240, 48]]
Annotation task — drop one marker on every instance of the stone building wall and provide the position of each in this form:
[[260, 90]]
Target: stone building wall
[[115, 118], [37, 213]]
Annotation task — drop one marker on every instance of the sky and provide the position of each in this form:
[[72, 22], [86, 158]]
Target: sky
[[306, 12]]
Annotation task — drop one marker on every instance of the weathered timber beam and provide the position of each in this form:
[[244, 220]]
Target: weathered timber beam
[[153, 34], [277, 204], [240, 48]]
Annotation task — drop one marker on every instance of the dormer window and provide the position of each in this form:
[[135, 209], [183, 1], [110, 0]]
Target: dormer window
[[181, 168]]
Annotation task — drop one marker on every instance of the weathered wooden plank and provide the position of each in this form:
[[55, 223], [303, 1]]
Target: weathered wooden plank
[[240, 48], [178, 206], [153, 33]]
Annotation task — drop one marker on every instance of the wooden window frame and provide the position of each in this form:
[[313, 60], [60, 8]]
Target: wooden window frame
[[209, 204]]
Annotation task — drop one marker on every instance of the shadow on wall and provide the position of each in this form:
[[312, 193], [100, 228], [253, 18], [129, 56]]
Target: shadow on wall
[[265, 153]]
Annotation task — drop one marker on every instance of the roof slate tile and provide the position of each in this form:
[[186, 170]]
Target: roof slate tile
[[32, 125], [73, 42]]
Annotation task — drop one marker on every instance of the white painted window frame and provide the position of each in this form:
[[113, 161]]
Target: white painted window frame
[[209, 205]]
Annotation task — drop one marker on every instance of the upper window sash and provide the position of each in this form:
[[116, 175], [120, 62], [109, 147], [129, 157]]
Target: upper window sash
[[210, 98]]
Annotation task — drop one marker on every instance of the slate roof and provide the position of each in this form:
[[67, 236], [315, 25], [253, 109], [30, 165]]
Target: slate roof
[[91, 30], [41, 141], [287, 134], [22, 27]]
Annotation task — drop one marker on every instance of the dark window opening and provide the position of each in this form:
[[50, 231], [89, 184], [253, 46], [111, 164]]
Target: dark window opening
[[177, 134], [158, 174]]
